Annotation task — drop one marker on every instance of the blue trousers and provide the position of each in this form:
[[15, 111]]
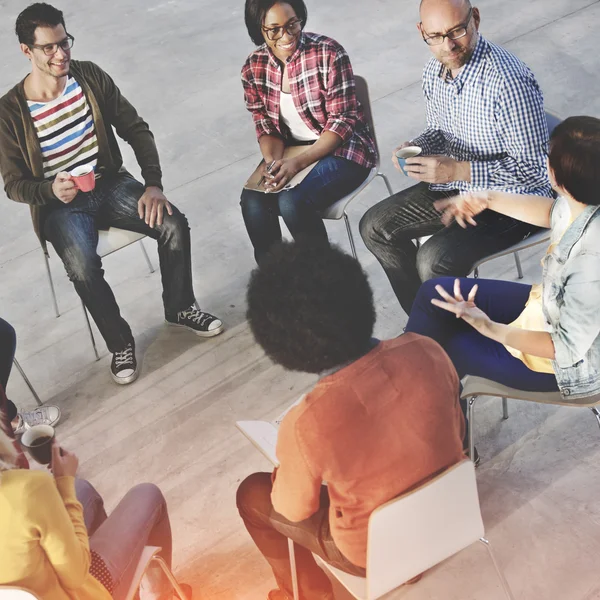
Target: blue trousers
[[331, 179], [470, 352]]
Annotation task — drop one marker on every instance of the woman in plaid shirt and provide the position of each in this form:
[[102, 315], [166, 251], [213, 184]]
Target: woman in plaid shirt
[[300, 90]]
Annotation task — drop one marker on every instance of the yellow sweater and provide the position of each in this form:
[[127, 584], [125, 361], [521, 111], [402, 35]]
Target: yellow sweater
[[44, 544]]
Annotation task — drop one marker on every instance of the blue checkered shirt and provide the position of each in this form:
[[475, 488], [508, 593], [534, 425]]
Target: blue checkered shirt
[[491, 115]]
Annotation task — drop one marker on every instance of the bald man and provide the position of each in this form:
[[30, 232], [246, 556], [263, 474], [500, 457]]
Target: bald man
[[486, 129]]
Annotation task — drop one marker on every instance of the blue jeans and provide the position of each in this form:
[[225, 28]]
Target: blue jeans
[[331, 179], [73, 231], [470, 352]]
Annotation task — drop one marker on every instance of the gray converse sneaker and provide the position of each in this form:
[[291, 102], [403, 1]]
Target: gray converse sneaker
[[201, 323], [123, 367], [44, 415]]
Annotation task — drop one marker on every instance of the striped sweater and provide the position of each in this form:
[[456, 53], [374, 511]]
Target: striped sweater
[[65, 130]]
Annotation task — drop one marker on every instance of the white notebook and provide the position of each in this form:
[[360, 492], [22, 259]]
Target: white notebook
[[263, 434]]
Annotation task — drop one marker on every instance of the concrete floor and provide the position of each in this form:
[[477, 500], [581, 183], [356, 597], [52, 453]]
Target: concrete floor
[[178, 62]]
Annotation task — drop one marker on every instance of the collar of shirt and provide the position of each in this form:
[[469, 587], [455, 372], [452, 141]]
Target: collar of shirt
[[481, 49], [275, 61], [373, 343]]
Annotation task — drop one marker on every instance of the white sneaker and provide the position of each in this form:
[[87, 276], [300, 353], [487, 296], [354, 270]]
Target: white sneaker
[[44, 415]]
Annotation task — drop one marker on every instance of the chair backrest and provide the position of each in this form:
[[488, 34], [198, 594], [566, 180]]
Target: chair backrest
[[148, 554], [362, 95], [420, 529], [552, 120], [13, 593]]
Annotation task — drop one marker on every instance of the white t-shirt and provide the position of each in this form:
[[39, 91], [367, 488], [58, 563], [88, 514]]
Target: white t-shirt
[[290, 116]]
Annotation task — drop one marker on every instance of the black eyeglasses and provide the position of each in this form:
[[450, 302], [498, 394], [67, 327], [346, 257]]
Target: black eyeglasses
[[453, 34], [50, 49], [292, 28]]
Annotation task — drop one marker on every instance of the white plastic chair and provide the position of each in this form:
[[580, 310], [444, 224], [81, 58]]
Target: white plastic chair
[[149, 555], [416, 531], [473, 387], [338, 210], [15, 593], [109, 241]]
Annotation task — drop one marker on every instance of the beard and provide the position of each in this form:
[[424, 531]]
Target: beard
[[462, 56]]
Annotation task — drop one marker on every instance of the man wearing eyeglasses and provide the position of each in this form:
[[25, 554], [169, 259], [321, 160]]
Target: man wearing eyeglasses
[[60, 117], [486, 129]]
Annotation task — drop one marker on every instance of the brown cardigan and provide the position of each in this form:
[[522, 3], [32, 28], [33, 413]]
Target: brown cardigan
[[21, 164]]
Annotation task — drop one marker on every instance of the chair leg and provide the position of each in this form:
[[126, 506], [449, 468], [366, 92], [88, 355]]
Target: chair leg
[[476, 273], [518, 263], [146, 256], [51, 283], [350, 237], [470, 413], [501, 577], [170, 577], [293, 570], [31, 388], [89, 326], [505, 408], [596, 414], [387, 183]]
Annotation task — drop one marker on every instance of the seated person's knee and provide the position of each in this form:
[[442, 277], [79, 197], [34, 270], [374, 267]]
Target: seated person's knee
[[255, 490], [81, 266]]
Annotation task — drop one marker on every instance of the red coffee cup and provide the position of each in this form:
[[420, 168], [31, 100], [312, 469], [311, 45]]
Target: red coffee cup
[[84, 178]]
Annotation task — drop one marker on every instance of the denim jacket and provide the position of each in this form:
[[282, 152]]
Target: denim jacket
[[571, 299]]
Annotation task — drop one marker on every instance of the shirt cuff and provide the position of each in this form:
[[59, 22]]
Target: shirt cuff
[[263, 127], [480, 174], [427, 148], [340, 128], [66, 488], [153, 180]]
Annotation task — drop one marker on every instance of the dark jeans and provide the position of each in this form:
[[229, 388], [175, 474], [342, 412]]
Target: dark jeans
[[140, 519], [389, 228], [73, 231], [271, 531], [473, 353], [8, 345], [331, 179]]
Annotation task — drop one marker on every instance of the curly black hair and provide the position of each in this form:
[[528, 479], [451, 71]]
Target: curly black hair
[[256, 10], [37, 15], [310, 306]]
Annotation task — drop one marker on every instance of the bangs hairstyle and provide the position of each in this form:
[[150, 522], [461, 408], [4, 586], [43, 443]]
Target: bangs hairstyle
[[310, 306], [575, 158], [37, 15], [256, 10]]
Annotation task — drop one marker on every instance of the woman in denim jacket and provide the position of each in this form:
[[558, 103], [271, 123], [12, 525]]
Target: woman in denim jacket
[[535, 338]]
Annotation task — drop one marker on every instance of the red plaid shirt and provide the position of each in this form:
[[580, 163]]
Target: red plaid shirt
[[323, 89]]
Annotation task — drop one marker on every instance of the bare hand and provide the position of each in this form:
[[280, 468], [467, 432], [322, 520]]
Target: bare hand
[[151, 206], [64, 188], [395, 159], [281, 173], [64, 463], [463, 309], [435, 169], [463, 208]]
